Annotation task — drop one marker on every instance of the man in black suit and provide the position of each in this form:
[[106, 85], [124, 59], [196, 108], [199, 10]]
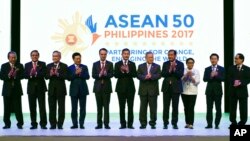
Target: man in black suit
[[102, 72], [148, 73], [78, 91], [214, 75], [125, 70], [12, 74], [57, 73], [239, 78], [35, 72], [172, 71]]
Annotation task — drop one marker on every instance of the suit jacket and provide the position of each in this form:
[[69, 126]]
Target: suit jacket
[[57, 82], [214, 84], [125, 82], [78, 82], [173, 77], [106, 85], [244, 76], [38, 80], [10, 83], [149, 86]]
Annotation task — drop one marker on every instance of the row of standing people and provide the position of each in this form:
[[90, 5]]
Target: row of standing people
[[177, 81]]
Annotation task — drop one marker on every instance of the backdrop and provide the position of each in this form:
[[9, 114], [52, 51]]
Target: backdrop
[[194, 28]]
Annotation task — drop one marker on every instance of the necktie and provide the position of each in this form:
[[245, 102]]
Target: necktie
[[126, 62], [102, 71], [126, 66], [238, 68], [12, 70], [55, 66], [34, 66], [214, 68], [78, 67], [103, 65], [148, 68]]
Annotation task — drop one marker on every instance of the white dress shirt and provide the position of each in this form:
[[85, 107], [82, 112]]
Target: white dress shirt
[[190, 88]]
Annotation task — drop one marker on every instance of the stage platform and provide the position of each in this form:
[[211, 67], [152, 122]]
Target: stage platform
[[199, 130]]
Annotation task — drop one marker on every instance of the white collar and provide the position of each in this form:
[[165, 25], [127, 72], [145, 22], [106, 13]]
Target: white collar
[[124, 61], [103, 61], [11, 64], [214, 66], [239, 65]]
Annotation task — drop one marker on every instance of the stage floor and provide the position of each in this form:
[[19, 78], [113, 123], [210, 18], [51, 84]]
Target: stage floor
[[199, 130]]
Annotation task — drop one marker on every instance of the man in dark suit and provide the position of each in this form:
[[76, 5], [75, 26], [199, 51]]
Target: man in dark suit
[[35, 72], [148, 73], [102, 72], [125, 70], [239, 78], [214, 75], [12, 74], [57, 73], [78, 91], [172, 71]]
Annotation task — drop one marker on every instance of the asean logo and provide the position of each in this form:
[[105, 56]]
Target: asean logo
[[76, 36]]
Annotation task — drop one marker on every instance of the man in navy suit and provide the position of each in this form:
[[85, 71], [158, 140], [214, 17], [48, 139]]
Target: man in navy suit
[[35, 72], [102, 72], [125, 71], [78, 74], [172, 71], [148, 73], [239, 78], [57, 73], [12, 74], [214, 75]]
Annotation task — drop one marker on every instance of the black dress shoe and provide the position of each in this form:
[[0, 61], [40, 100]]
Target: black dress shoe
[[131, 127], [74, 127], [153, 127], [142, 127], [6, 127], [107, 127], [44, 127], [209, 127], [52, 127], [175, 126], [60, 127], [165, 127], [82, 127], [19, 126], [217, 127], [123, 127], [33, 127], [232, 124], [98, 127]]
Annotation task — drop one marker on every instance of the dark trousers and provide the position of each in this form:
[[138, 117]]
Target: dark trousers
[[54, 100], [33, 98], [129, 99], [102, 101], [189, 103], [152, 102], [243, 110], [211, 99], [74, 114], [167, 97], [15, 103]]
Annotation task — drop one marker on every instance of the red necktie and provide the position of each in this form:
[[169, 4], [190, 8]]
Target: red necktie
[[34, 66]]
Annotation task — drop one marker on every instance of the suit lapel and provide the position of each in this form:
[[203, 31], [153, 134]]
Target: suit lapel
[[106, 65], [98, 66], [8, 67]]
